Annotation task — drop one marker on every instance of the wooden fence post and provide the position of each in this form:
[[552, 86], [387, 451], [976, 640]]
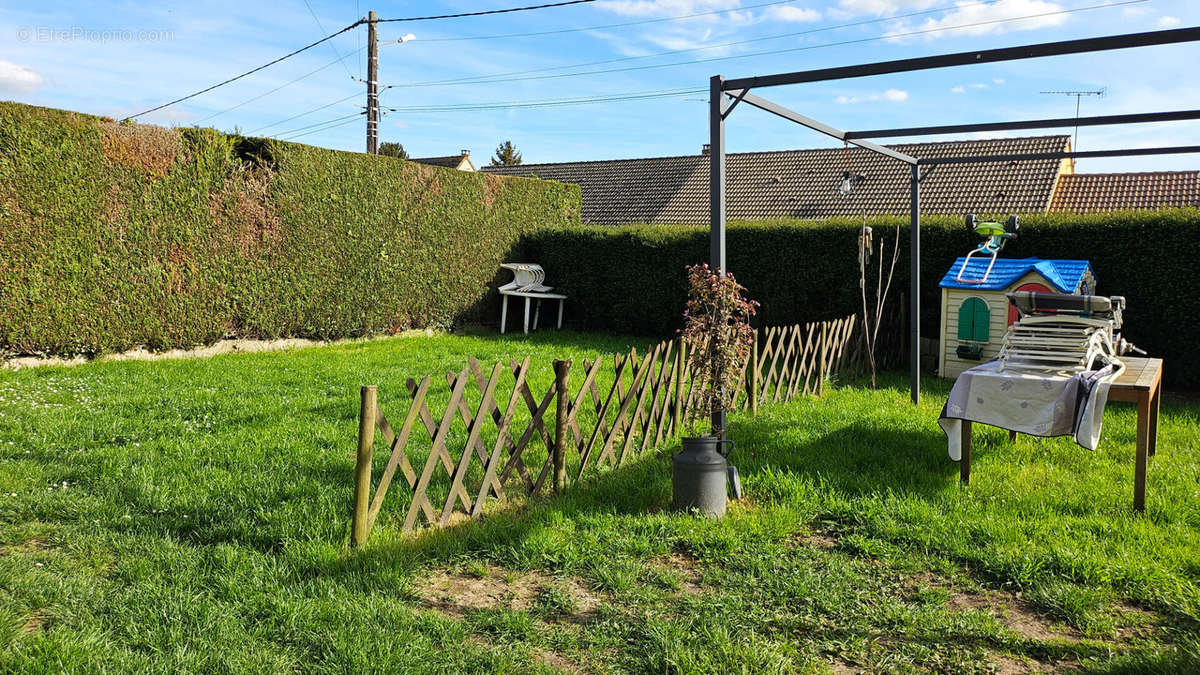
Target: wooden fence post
[[824, 357], [368, 410], [680, 372], [755, 375], [562, 378]]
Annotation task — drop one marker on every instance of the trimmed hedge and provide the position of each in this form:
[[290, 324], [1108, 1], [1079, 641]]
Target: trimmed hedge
[[116, 236], [632, 278]]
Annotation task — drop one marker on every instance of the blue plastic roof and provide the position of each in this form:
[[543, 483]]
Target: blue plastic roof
[[1064, 275]]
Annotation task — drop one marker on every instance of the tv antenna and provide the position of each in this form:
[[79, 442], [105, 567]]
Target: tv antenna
[[1098, 93]]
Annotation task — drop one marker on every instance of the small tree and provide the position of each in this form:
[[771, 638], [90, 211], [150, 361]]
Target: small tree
[[392, 149], [506, 155], [718, 336], [873, 311]]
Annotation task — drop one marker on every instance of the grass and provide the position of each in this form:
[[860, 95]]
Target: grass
[[192, 515]]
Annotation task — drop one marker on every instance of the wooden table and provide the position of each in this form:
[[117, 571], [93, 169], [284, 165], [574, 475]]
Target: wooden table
[[1141, 383]]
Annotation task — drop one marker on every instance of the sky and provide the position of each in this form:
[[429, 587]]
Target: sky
[[119, 58]]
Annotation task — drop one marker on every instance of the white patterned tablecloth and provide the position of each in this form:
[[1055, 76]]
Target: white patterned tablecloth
[[1028, 402]]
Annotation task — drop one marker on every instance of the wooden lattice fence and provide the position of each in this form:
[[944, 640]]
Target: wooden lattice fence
[[489, 434]]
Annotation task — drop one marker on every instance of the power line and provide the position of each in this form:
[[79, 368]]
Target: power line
[[606, 26], [890, 36], [248, 72], [348, 28], [549, 103], [305, 113], [332, 126], [272, 91], [290, 132], [322, 29], [490, 11], [778, 36]]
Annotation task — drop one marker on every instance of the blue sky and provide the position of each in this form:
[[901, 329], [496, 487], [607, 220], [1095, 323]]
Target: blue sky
[[117, 58]]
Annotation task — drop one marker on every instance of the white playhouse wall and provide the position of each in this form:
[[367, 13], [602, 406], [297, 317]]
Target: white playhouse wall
[[949, 365]]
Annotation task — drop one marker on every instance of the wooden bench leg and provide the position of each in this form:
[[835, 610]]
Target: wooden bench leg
[[1143, 443], [503, 312], [964, 464]]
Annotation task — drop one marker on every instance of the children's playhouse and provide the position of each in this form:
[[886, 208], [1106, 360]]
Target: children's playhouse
[[976, 313]]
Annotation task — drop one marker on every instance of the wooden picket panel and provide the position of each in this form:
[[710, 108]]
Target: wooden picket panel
[[484, 445]]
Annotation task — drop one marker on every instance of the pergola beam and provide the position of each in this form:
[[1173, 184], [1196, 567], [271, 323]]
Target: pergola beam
[[1098, 120], [815, 125], [1065, 47], [1122, 152]]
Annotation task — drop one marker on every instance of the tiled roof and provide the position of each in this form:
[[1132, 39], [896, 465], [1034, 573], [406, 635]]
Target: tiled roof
[[1089, 192], [451, 161], [1065, 275], [804, 183]]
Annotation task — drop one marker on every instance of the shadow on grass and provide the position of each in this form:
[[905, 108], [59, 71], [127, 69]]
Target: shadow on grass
[[565, 338], [857, 459]]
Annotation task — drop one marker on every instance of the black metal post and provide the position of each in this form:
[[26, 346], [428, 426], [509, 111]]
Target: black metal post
[[914, 285], [716, 200], [716, 174]]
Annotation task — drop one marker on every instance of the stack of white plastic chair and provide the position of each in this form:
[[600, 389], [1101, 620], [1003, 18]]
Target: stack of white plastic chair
[[527, 278], [527, 283], [1062, 332]]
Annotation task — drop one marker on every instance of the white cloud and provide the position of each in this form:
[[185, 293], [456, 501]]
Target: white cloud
[[997, 80], [882, 7], [1168, 21], [958, 90], [18, 78], [794, 14], [893, 95], [657, 8], [980, 19]]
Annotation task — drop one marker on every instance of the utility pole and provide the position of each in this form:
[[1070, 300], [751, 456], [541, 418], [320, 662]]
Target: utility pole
[[1099, 93], [372, 86]]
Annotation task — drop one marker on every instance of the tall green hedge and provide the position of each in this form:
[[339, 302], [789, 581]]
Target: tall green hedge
[[122, 235], [632, 278]]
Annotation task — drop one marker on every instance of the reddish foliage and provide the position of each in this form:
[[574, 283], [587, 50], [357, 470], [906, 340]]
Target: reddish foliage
[[718, 335]]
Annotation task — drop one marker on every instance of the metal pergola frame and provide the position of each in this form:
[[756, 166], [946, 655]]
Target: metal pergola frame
[[725, 95]]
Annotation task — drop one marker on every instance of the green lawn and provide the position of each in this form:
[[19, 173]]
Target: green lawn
[[192, 515]]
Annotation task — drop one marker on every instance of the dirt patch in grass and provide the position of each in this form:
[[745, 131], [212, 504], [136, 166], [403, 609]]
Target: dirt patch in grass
[[556, 661], [679, 571], [1134, 622], [818, 539], [1007, 665], [457, 592], [36, 623], [1010, 610]]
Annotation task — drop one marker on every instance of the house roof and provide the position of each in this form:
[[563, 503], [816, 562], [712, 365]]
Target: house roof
[[1064, 275], [804, 183], [450, 161], [1090, 192]]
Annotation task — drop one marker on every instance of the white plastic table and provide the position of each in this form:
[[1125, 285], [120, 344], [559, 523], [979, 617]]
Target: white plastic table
[[529, 295]]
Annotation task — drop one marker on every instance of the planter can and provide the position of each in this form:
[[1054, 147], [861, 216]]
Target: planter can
[[698, 476]]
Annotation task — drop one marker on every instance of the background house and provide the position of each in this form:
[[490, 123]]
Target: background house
[[804, 184], [461, 161]]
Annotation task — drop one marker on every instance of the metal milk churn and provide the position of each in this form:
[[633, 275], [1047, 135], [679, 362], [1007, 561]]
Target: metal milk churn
[[698, 476]]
